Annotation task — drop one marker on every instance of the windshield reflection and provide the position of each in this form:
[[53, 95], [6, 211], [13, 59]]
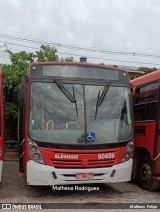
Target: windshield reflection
[[55, 118]]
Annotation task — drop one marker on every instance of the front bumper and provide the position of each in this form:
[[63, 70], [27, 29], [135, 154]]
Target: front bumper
[[38, 174]]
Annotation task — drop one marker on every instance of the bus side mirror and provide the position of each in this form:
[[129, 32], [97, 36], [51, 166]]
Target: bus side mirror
[[21, 95], [8, 93]]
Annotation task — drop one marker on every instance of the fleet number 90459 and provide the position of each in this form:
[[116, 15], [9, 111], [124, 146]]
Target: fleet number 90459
[[109, 155]]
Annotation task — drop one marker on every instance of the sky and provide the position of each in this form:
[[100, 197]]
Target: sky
[[117, 32]]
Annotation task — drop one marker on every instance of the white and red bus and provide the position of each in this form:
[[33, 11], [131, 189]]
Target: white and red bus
[[146, 166], [1, 125], [75, 124]]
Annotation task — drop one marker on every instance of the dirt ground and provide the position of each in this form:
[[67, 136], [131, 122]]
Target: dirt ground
[[14, 189]]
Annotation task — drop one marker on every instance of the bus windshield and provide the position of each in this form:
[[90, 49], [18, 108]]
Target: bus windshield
[[74, 113]]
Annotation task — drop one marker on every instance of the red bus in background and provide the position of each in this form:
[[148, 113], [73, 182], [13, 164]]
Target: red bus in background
[[1, 125], [146, 165], [75, 124]]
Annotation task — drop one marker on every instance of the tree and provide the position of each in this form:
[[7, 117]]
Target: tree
[[68, 59], [47, 54], [13, 74], [20, 61], [146, 70]]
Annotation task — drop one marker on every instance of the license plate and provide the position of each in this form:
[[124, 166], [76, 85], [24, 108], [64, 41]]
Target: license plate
[[84, 175]]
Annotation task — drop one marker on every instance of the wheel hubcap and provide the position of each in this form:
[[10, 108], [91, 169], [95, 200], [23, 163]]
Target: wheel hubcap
[[145, 172]]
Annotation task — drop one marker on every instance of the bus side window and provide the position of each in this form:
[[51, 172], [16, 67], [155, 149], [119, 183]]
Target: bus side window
[[139, 102], [140, 95], [136, 99]]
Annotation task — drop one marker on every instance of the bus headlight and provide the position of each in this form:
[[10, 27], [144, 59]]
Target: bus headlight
[[33, 148], [36, 157], [128, 153], [35, 153]]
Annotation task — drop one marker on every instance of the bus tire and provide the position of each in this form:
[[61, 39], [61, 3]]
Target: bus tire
[[145, 174]]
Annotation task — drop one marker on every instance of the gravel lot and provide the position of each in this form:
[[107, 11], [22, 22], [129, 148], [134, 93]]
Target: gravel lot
[[14, 189]]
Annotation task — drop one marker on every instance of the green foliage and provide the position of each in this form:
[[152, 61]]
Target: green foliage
[[47, 54], [141, 71], [146, 70], [20, 61], [21, 58], [11, 110], [11, 118], [13, 74], [67, 59]]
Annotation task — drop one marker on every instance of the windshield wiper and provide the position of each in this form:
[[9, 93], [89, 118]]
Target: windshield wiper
[[75, 101], [67, 94], [101, 98]]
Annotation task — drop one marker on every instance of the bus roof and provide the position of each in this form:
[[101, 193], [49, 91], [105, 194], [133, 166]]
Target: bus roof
[[154, 76]]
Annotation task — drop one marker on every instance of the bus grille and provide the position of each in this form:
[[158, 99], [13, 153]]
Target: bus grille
[[77, 164], [83, 162]]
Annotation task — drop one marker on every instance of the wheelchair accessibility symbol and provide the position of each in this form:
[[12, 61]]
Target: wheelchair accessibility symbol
[[91, 136]]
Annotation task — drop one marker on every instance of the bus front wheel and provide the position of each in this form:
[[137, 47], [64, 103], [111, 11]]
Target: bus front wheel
[[145, 174]]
